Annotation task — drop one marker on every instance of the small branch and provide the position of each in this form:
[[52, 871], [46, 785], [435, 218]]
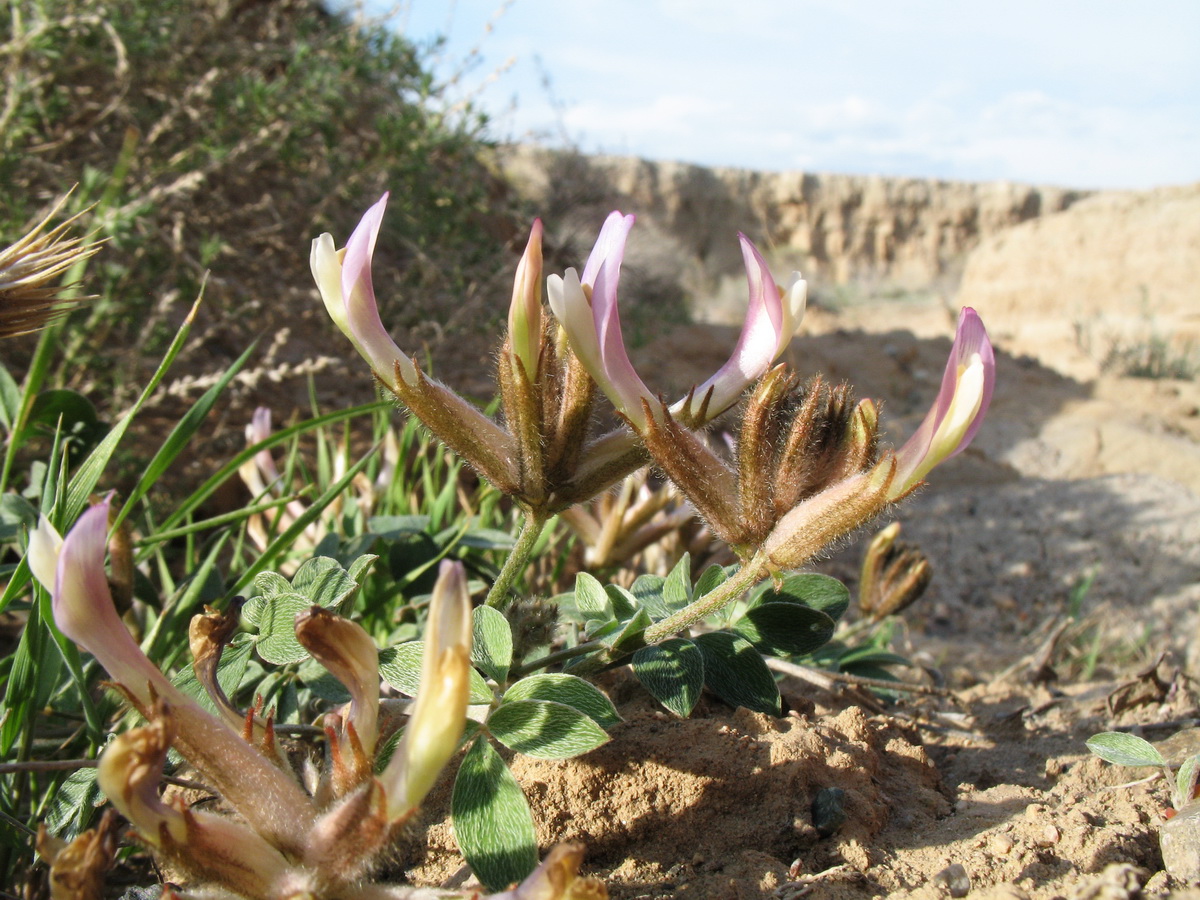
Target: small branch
[[828, 680], [556, 657], [48, 765]]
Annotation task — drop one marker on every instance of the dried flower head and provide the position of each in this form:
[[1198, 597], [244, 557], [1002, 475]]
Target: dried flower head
[[30, 295]]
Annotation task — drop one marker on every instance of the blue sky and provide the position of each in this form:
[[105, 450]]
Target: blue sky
[[1103, 93]]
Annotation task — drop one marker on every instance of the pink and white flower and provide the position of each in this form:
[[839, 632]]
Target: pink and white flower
[[958, 411], [586, 306], [344, 279]]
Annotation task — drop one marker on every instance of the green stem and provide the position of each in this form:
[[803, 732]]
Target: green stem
[[39, 366], [531, 529], [724, 594], [556, 657]]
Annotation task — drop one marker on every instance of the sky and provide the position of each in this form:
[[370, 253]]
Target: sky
[[1095, 94]]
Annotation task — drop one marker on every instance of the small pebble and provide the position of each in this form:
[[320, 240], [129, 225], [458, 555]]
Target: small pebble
[[955, 879], [1179, 840], [1050, 836], [829, 810], [1001, 845]]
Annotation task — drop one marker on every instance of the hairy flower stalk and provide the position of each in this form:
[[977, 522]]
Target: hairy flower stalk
[[268, 798], [792, 497], [791, 447], [543, 455], [282, 843], [30, 297]]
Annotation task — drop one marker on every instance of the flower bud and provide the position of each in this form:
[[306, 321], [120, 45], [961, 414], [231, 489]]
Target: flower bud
[[432, 734], [525, 311]]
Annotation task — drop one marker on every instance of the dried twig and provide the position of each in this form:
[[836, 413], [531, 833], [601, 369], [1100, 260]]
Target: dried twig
[[828, 680]]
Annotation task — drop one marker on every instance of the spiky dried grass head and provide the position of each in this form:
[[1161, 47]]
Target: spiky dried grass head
[[31, 296]]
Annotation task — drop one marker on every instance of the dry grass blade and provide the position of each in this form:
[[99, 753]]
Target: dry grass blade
[[30, 295]]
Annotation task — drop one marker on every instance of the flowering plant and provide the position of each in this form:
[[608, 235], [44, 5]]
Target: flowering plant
[[804, 468]]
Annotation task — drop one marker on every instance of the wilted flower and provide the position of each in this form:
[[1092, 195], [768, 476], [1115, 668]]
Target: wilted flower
[[894, 575], [78, 866], [269, 800]]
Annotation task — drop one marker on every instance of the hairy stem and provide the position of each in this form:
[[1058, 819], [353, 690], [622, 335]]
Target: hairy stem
[[531, 529], [724, 594]]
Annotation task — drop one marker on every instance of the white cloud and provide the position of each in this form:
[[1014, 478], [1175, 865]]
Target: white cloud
[[1076, 92]]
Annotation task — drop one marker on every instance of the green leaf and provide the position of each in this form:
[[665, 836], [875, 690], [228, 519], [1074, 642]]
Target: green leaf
[[782, 629], [735, 672], [819, 592], [400, 667], [623, 602], [318, 582], [361, 567], [492, 643], [570, 690], [1185, 779], [677, 588], [73, 804], [277, 628], [492, 820], [647, 591], [712, 578], [397, 526], [673, 673], [487, 539], [268, 583], [322, 683], [68, 410], [591, 599], [16, 515], [1123, 749], [324, 582], [870, 656], [10, 400], [544, 729], [630, 637]]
